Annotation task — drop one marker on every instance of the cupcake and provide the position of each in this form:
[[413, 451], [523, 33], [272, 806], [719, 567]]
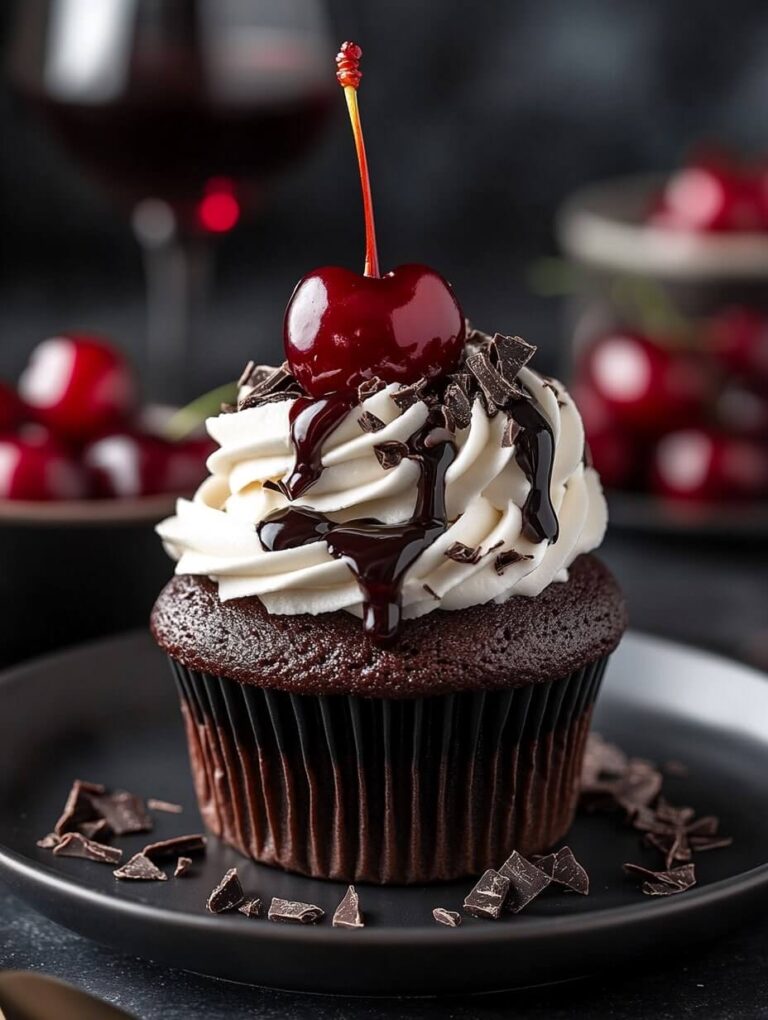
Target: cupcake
[[386, 625]]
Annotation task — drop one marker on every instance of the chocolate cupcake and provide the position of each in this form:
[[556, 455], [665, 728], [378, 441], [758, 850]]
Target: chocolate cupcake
[[386, 628]]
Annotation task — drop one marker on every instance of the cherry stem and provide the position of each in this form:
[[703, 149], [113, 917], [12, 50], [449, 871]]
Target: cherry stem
[[349, 76]]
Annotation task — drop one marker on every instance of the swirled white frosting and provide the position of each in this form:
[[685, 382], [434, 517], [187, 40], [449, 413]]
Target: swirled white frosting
[[214, 534]]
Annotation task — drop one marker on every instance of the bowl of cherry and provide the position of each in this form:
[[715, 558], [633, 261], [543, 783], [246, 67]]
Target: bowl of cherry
[[670, 343], [85, 473]]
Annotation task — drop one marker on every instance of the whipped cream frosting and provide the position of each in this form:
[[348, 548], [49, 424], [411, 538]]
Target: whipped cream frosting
[[215, 533]]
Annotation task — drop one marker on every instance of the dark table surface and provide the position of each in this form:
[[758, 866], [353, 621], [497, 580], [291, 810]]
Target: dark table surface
[[712, 594], [708, 593]]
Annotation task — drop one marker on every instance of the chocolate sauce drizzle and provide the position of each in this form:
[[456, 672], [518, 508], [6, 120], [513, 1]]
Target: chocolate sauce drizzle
[[378, 554], [312, 421]]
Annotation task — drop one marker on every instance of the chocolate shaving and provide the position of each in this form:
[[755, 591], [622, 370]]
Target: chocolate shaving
[[347, 914], [248, 373], [526, 881], [49, 841], [369, 388], [497, 391], [140, 869], [701, 843], [269, 384], [507, 558], [457, 402], [563, 868], [73, 844], [164, 805], [676, 768], [511, 431], [487, 897], [228, 894], [407, 396], [460, 553], [251, 908], [183, 864], [164, 849], [125, 812], [431, 591], [93, 829], [511, 353], [450, 918], [391, 453], [294, 912], [664, 883], [369, 422], [79, 806]]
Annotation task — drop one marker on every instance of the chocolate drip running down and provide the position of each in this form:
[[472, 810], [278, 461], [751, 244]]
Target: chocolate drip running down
[[378, 554], [312, 421]]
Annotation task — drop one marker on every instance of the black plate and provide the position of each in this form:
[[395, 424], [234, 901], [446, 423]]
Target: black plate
[[107, 712]]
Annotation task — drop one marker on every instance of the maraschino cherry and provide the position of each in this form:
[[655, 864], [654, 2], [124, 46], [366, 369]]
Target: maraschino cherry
[[129, 464], [341, 328], [11, 408], [36, 466], [77, 385], [698, 464]]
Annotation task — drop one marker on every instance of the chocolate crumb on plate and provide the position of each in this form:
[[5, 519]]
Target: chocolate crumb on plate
[[563, 869], [183, 864], [73, 844], [664, 883], [124, 811], [79, 806], [526, 881], [294, 912], [251, 908], [49, 841], [164, 849], [460, 553], [91, 830], [487, 897], [450, 918], [140, 869], [164, 805], [228, 894], [347, 914]]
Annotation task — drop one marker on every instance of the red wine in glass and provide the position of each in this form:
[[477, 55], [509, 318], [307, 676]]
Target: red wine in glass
[[184, 110]]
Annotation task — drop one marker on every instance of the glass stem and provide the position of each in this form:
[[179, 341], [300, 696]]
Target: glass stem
[[177, 270]]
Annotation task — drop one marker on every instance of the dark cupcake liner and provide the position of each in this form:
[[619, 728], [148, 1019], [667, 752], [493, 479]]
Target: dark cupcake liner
[[377, 790]]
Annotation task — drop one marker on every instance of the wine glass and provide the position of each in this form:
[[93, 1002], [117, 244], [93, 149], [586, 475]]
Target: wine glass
[[185, 110]]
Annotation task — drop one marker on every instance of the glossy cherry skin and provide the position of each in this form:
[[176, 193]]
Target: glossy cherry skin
[[738, 339], [710, 197], [741, 409], [12, 412], [698, 464], [128, 464], [39, 468], [645, 387], [342, 328], [78, 385]]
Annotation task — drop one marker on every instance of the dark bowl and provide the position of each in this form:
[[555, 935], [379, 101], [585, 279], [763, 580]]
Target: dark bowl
[[76, 570]]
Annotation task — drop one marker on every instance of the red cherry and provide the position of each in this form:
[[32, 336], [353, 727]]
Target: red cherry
[[341, 328], [738, 339], [11, 408], [127, 465], [697, 464], [39, 469], [709, 197], [645, 387], [78, 385], [614, 453]]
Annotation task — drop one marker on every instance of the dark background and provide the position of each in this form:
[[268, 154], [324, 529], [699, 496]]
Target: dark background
[[480, 118]]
